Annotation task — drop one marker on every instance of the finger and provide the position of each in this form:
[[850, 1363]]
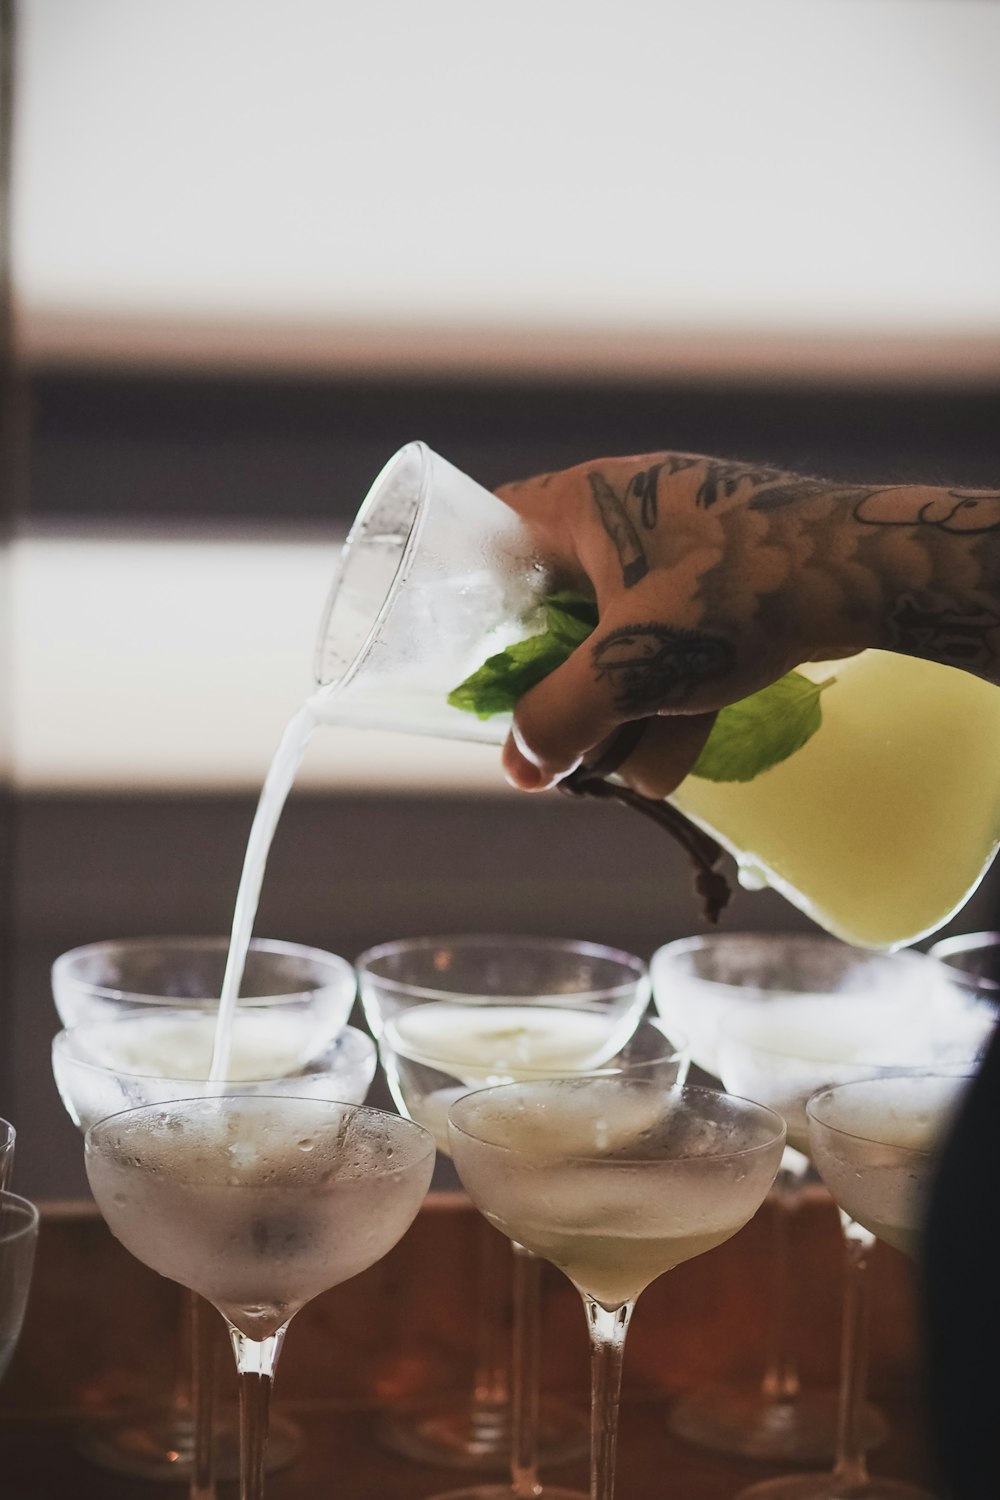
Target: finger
[[669, 747], [557, 722]]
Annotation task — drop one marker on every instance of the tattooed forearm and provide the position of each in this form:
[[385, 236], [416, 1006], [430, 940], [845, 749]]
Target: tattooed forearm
[[758, 563], [792, 491], [948, 510], [616, 522], [652, 666]]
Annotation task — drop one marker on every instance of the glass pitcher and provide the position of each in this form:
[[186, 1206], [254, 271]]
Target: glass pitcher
[[879, 828]]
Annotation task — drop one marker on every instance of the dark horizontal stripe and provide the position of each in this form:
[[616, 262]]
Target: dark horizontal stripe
[[284, 450]]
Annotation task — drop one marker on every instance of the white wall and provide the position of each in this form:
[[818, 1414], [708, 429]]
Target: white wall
[[164, 663], [653, 183]]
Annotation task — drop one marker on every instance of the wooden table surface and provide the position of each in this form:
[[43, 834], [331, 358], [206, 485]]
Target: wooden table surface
[[101, 1335]]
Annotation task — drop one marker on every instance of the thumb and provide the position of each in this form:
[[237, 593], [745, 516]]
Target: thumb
[[557, 722]]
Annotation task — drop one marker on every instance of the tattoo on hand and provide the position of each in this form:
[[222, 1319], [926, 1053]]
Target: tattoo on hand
[[654, 666], [930, 626], [616, 522], [947, 510], [642, 487]]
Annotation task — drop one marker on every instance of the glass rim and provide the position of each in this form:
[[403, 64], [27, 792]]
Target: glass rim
[[503, 941], [28, 1213], [356, 529], [814, 942], [763, 1112], [106, 1122], [63, 966], [63, 1040], [897, 1074]]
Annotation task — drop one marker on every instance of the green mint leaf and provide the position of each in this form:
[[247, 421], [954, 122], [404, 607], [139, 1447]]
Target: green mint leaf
[[760, 731], [502, 679], [569, 619]]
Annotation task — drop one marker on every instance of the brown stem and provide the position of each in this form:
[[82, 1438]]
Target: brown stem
[[703, 851]]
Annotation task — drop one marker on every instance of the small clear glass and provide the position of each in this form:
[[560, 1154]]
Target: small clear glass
[[452, 1013], [18, 1238], [696, 981], [309, 993], [875, 1143], [319, 1192], [879, 1014], [425, 1093], [615, 1180]]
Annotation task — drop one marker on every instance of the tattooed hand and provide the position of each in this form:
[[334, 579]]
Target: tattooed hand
[[713, 578]]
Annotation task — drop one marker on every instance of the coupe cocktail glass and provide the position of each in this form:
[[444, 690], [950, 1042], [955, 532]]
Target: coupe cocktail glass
[[294, 1001], [18, 1237], [475, 1010], [99, 1071], [425, 1093], [615, 1180], [887, 1013], [104, 1067], [696, 981], [258, 1203], [874, 1142]]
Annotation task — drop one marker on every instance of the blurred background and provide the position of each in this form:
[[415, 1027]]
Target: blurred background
[[249, 250]]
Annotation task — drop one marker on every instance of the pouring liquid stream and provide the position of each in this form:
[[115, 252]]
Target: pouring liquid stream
[[274, 794]]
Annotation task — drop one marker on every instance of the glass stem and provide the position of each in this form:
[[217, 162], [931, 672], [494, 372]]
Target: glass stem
[[525, 1374], [607, 1350], [780, 1382], [256, 1361], [201, 1319], [491, 1381], [851, 1467]]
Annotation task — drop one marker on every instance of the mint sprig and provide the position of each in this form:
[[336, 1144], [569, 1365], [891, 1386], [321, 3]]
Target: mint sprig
[[747, 738], [502, 679]]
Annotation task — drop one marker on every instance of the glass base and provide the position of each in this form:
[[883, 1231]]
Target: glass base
[[826, 1487], [477, 1436], [162, 1448], [505, 1492], [745, 1424]]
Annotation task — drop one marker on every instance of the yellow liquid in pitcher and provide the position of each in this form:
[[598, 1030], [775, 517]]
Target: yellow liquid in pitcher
[[884, 823]]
